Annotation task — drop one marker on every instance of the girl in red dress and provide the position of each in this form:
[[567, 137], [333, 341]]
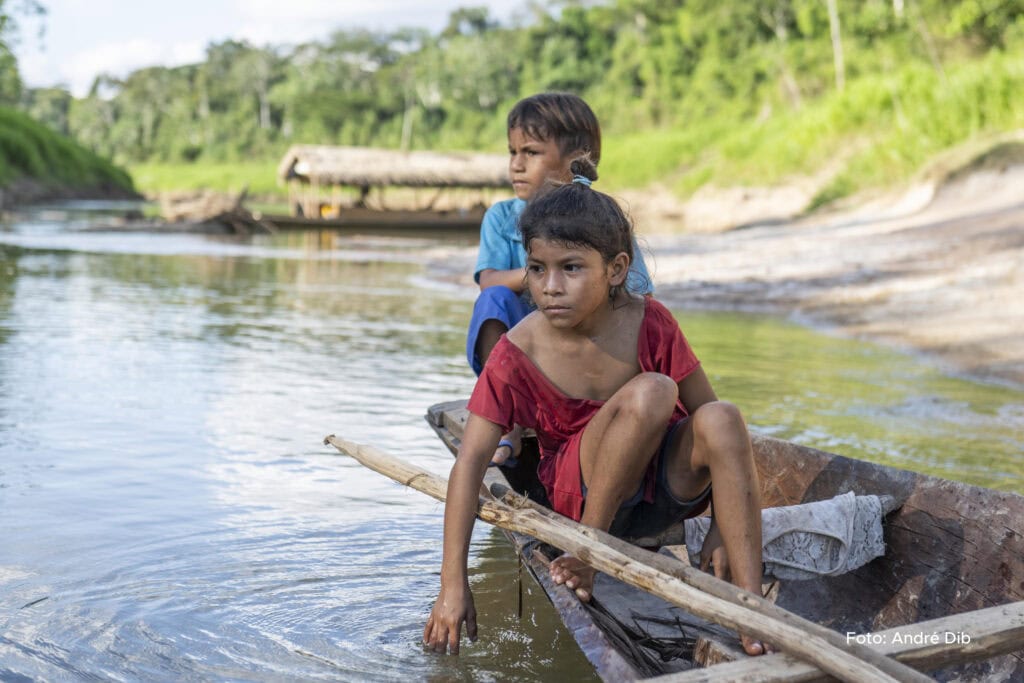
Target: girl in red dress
[[632, 436]]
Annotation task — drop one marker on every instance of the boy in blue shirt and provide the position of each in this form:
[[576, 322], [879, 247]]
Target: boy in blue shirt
[[545, 133]]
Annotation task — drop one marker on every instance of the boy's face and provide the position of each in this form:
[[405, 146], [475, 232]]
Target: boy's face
[[532, 161]]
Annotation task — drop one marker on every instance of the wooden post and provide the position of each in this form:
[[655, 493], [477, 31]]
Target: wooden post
[[744, 611]]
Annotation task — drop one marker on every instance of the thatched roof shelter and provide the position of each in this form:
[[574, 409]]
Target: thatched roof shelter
[[367, 167]]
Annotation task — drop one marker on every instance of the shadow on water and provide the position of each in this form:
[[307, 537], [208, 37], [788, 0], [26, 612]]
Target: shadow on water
[[168, 509]]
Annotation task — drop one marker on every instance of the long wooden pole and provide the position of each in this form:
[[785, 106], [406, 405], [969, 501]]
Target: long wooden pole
[[931, 645], [990, 632], [742, 611]]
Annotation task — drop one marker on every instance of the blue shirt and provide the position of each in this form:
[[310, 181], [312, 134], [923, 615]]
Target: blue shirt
[[501, 246]]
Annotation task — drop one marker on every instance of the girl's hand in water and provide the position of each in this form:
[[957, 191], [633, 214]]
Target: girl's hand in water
[[444, 626]]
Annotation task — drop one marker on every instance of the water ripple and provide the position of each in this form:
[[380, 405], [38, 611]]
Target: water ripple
[[168, 509]]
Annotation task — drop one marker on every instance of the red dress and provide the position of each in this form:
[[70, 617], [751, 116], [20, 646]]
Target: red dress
[[512, 390]]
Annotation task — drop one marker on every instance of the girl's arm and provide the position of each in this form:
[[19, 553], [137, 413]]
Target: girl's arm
[[514, 279], [695, 390], [454, 605]]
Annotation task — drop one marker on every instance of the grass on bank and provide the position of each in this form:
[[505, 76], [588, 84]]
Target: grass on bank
[[260, 177], [29, 149], [880, 131]]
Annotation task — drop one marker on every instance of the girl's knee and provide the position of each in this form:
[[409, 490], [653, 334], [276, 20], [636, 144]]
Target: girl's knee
[[649, 394], [657, 384], [719, 423], [716, 414]]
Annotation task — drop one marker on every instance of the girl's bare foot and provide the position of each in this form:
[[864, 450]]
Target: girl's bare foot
[[575, 574]]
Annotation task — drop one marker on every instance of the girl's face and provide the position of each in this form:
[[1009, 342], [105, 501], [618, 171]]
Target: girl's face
[[531, 162], [570, 284]]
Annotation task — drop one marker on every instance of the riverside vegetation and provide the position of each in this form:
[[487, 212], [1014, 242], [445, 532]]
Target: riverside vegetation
[[705, 92], [37, 163]]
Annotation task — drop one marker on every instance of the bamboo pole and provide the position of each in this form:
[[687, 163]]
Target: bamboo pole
[[797, 626], [743, 611], [992, 631]]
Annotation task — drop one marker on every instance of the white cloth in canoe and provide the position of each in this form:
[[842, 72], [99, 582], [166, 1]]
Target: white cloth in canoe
[[826, 538]]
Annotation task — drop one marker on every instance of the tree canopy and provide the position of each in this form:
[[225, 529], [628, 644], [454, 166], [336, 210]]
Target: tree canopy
[[668, 65]]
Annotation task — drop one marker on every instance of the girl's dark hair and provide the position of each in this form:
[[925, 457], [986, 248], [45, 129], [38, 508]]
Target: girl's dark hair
[[575, 215], [562, 117]]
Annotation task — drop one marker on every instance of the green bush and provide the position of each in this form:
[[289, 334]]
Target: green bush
[[30, 149]]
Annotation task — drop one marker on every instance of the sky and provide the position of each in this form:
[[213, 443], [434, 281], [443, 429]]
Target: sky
[[83, 38]]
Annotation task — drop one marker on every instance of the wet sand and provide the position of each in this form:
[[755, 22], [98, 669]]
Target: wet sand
[[945, 277]]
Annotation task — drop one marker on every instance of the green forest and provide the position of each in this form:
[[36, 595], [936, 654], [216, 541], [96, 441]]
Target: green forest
[[689, 92]]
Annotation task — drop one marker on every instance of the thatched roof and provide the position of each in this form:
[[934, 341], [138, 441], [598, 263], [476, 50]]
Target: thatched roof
[[369, 167]]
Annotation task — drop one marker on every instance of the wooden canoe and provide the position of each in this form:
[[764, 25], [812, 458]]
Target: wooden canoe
[[951, 549]]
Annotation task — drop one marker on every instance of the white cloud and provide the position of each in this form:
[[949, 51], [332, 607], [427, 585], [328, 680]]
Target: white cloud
[[272, 21], [188, 52], [36, 69], [81, 42], [120, 59]]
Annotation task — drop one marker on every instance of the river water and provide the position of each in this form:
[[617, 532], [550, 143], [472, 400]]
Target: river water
[[168, 510]]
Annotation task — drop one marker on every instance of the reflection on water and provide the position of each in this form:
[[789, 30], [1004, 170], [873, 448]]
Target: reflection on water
[[169, 512]]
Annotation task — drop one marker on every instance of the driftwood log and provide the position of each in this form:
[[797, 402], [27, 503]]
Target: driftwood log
[[723, 603], [208, 207]]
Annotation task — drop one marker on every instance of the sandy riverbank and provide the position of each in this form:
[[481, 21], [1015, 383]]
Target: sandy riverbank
[[939, 271]]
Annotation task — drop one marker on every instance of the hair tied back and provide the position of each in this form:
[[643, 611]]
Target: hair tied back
[[582, 180]]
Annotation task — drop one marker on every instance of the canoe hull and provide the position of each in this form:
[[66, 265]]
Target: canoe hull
[[950, 548]]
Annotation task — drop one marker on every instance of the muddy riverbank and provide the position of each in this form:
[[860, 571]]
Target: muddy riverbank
[[935, 269], [944, 276]]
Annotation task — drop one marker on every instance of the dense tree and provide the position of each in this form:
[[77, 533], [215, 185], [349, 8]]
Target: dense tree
[[641, 63], [10, 79], [49, 106]]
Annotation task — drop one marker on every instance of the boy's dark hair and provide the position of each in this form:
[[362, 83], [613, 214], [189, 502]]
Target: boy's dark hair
[[575, 215], [562, 117]]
